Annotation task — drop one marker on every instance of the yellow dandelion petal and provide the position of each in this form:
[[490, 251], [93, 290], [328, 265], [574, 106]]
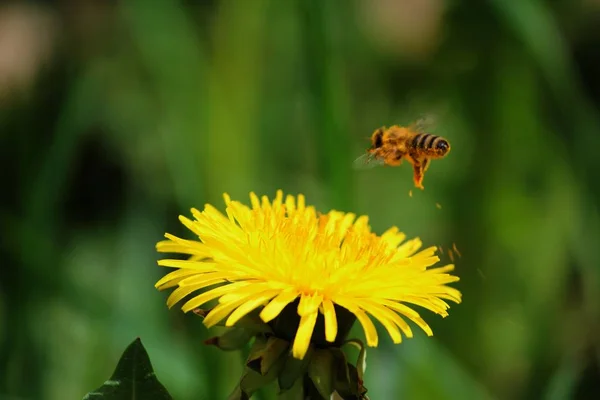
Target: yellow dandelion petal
[[379, 311], [290, 204], [393, 237], [173, 278], [401, 308], [451, 294], [362, 224], [249, 305], [301, 202], [433, 304], [403, 325], [188, 223], [185, 289], [209, 212], [282, 256], [197, 266], [309, 304], [412, 315], [303, 335], [278, 199], [238, 307], [365, 321], [266, 204], [386, 317], [203, 280], [408, 248], [393, 231], [444, 269], [209, 295], [245, 292], [254, 201], [179, 294], [177, 245], [219, 312], [273, 309], [423, 325], [331, 326]]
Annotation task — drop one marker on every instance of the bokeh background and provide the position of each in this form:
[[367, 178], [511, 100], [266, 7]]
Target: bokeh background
[[116, 117]]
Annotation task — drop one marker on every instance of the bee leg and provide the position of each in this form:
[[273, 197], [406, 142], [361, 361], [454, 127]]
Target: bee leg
[[395, 160], [425, 164], [418, 176]]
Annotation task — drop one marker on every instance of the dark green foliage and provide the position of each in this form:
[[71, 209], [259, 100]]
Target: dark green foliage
[[133, 379]]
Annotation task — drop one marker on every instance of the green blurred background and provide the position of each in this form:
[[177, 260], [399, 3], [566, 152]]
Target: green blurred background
[[116, 117]]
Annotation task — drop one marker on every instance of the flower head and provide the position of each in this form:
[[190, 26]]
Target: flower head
[[283, 253]]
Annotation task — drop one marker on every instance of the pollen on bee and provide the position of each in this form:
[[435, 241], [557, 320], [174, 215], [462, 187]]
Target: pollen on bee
[[438, 205], [456, 250], [451, 255]]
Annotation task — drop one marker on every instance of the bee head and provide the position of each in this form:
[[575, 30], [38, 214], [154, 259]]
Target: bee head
[[377, 138]]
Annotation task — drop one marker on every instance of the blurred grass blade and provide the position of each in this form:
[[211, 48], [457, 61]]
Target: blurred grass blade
[[531, 21], [235, 80], [326, 75], [167, 44], [133, 378]]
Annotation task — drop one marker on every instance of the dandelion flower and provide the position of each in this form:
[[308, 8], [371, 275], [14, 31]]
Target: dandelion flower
[[283, 259]]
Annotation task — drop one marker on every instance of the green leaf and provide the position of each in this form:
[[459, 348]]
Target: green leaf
[[293, 369], [133, 378], [296, 392]]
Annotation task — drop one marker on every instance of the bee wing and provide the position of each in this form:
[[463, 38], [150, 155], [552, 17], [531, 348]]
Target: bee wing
[[425, 122], [367, 161]]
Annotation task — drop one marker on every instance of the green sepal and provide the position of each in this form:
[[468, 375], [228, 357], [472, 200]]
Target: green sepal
[[346, 380], [296, 392], [234, 338], [330, 372], [252, 380], [321, 372], [293, 369], [341, 374], [357, 390], [361, 362], [262, 358]]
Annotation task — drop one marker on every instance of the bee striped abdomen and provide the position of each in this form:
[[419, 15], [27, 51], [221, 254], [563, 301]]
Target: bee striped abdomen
[[419, 141], [428, 143], [422, 141]]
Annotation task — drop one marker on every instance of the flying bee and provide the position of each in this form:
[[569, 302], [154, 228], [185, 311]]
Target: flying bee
[[389, 146]]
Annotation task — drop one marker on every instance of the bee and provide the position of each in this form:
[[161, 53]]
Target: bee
[[390, 146]]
